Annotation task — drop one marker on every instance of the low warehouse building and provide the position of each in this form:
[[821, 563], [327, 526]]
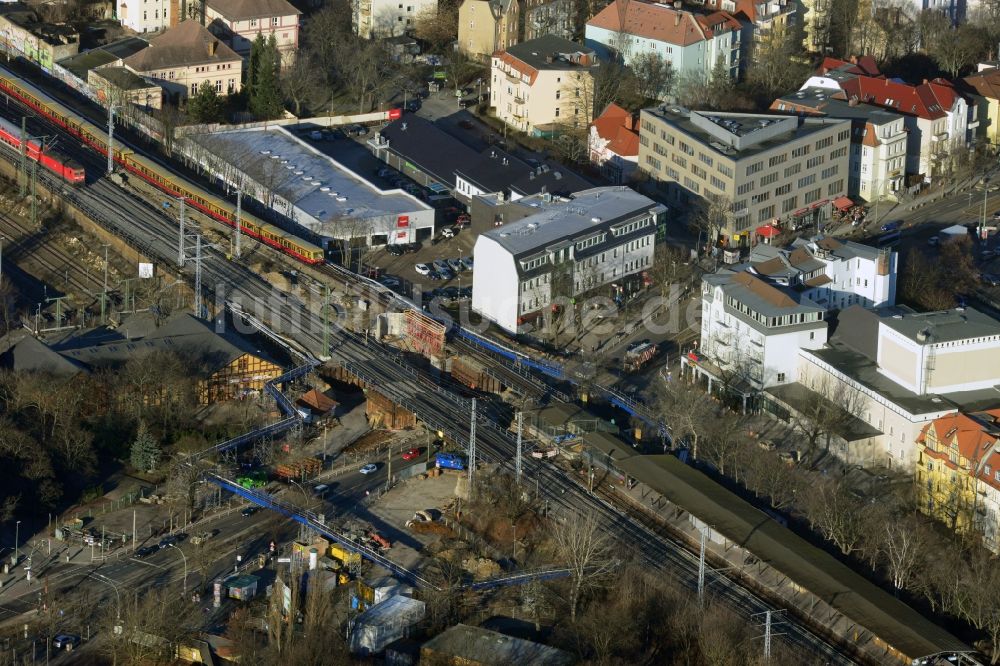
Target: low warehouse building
[[463, 645], [283, 173]]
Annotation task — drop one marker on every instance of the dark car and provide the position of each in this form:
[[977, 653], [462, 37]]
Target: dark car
[[168, 541], [413, 105], [451, 293], [466, 103], [395, 250], [65, 641], [466, 124], [146, 551], [357, 130], [249, 511], [411, 247], [891, 226]]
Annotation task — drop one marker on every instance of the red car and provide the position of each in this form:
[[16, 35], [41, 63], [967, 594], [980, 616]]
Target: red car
[[411, 454]]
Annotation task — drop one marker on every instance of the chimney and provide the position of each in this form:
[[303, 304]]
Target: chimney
[[630, 122], [677, 15]]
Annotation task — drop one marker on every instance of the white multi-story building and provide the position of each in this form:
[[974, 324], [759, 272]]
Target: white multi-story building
[[569, 247], [878, 139], [146, 15], [752, 329], [832, 273], [898, 370], [757, 316], [388, 18], [544, 85], [693, 44]]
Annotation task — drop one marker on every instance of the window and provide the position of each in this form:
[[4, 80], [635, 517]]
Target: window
[[781, 377], [776, 160], [800, 151], [706, 159], [755, 167], [725, 170], [698, 171], [557, 112], [835, 187], [253, 23], [769, 178], [840, 152], [784, 189], [194, 88], [218, 86], [813, 196], [275, 20], [806, 181], [744, 188], [691, 185], [814, 162], [824, 143], [829, 172], [788, 205], [718, 184], [793, 169]]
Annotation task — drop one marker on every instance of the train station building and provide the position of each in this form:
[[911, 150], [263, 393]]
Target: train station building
[[283, 173]]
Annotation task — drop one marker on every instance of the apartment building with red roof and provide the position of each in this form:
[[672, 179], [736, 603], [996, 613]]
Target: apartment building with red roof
[[958, 473], [614, 143], [938, 118], [693, 43]]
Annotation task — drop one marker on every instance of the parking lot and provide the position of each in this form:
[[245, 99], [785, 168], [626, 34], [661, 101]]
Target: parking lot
[[399, 272]]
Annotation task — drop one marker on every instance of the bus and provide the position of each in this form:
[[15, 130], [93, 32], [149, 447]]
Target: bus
[[449, 461]]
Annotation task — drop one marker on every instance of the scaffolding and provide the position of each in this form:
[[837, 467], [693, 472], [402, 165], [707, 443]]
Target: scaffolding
[[425, 334]]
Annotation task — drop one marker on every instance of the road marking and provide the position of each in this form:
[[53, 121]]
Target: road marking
[[148, 564]]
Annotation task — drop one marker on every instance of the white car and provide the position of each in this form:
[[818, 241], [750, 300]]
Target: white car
[[449, 232], [422, 269], [370, 468]]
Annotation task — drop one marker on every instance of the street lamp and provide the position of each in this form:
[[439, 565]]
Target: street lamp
[[986, 191], [184, 557], [17, 538]]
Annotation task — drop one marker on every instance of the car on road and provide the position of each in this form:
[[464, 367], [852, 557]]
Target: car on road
[[996, 215], [395, 250], [422, 269], [990, 279], [456, 265], [169, 540], [449, 232], [411, 454], [249, 511], [638, 343], [891, 226], [933, 241], [146, 551], [199, 539], [370, 468], [65, 641]]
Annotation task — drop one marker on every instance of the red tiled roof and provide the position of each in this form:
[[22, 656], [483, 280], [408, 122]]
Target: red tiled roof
[[930, 99], [619, 128], [985, 83], [518, 65], [662, 23], [974, 443], [863, 66]]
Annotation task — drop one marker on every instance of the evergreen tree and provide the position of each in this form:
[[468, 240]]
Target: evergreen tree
[[265, 96], [253, 65], [206, 106], [145, 450]]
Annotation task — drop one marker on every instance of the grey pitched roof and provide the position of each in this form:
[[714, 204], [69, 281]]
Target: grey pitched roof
[[857, 327], [241, 10], [475, 645], [182, 334], [547, 51], [33, 355]]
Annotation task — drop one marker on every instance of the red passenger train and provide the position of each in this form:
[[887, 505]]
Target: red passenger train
[[52, 160]]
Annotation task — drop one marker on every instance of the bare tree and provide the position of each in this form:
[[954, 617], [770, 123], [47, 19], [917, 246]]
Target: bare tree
[[587, 550], [654, 76], [837, 514], [301, 81], [902, 542]]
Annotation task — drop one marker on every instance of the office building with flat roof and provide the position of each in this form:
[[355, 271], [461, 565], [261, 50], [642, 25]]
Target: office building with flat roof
[[759, 170]]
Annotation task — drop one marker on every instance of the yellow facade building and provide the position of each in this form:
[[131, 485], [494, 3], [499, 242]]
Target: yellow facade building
[[958, 473]]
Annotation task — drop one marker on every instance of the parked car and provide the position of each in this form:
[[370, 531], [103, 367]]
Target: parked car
[[357, 130], [434, 275], [394, 250], [391, 281], [465, 292], [996, 215], [467, 262], [450, 293], [411, 247], [249, 511], [146, 551], [456, 265], [446, 274], [462, 221], [65, 641], [422, 269], [990, 279], [466, 103], [370, 468], [411, 454], [440, 265], [466, 124], [448, 232]]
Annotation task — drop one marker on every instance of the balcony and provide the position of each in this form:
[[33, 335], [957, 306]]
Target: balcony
[[940, 136]]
